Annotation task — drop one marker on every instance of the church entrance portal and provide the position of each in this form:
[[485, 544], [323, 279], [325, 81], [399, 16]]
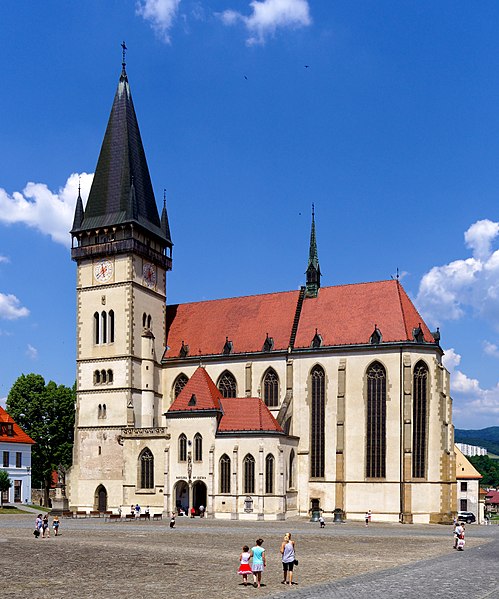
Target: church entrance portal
[[100, 499], [199, 495], [181, 496]]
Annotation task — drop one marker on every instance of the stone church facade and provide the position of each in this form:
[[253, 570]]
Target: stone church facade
[[258, 407]]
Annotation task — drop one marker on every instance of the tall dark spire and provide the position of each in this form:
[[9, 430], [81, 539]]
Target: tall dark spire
[[79, 212], [165, 225], [313, 268], [121, 191]]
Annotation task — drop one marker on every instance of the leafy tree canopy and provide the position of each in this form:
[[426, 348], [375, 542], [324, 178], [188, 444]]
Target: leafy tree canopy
[[5, 483], [488, 468], [47, 413]]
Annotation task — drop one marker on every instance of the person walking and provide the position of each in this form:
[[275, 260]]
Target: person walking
[[244, 567], [55, 525], [38, 526], [45, 527], [459, 536], [258, 563], [322, 522], [368, 517], [288, 559], [172, 520]]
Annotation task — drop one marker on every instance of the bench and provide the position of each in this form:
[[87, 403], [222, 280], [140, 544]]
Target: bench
[[94, 514], [68, 514], [144, 517], [81, 515], [113, 517], [157, 517], [129, 517]]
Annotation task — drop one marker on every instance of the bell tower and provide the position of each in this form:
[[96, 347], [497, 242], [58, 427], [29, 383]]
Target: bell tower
[[123, 250]]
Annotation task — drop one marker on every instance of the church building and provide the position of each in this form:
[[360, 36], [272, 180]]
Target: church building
[[257, 407]]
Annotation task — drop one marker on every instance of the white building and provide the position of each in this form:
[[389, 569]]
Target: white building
[[348, 379], [471, 450], [15, 449]]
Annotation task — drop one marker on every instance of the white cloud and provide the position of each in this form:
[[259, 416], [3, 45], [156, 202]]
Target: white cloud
[[10, 307], [160, 13], [491, 349], [3, 402], [4, 259], [268, 16], [32, 352], [447, 292], [50, 213], [478, 406]]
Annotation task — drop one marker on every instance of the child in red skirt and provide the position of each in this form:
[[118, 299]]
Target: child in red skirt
[[244, 567]]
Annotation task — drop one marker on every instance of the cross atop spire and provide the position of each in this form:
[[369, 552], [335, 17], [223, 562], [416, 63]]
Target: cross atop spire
[[124, 48], [313, 268]]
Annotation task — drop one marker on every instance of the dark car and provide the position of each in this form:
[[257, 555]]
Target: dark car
[[467, 517]]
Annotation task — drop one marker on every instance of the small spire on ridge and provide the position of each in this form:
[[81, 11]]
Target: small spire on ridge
[[124, 48]]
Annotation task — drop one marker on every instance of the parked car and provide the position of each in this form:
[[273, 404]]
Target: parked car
[[467, 517]]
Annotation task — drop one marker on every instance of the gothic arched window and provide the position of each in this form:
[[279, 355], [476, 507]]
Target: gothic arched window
[[104, 327], [97, 377], [269, 473], [271, 388], [111, 326], [291, 479], [227, 384], [180, 382], [376, 421], [419, 419], [318, 406], [96, 328], [109, 376], [249, 474], [198, 448], [225, 474], [103, 376], [146, 461], [182, 448]]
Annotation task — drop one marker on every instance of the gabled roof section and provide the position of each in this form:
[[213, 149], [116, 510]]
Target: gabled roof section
[[121, 191], [199, 394], [464, 468], [347, 314], [17, 436], [246, 321], [247, 414]]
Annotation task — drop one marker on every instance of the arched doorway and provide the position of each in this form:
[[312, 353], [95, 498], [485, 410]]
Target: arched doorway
[[198, 495], [100, 499], [181, 496]]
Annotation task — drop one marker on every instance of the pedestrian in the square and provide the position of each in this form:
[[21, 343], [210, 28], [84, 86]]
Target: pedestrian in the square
[[193, 512], [244, 567], [55, 525], [368, 517], [137, 510], [172, 520], [322, 522], [45, 527], [288, 559], [201, 511], [38, 526], [258, 562]]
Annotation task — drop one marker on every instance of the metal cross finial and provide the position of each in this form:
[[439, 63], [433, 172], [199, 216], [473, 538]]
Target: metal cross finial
[[79, 184], [398, 276], [313, 210], [164, 197], [123, 45]]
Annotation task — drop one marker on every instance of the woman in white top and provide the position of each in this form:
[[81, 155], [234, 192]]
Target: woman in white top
[[288, 558]]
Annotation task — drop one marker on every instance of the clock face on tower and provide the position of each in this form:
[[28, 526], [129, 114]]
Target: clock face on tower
[[149, 275], [103, 271]]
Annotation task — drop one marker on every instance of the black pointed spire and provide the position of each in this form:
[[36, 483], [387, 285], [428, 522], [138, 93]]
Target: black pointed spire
[[165, 225], [313, 268], [79, 212], [121, 191]]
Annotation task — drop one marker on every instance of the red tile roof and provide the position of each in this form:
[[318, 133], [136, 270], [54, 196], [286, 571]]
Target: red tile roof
[[247, 414], [492, 497], [199, 393], [19, 435], [342, 315]]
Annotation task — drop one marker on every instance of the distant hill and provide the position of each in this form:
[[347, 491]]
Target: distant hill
[[485, 437]]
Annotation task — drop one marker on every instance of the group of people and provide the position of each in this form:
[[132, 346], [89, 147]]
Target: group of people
[[42, 526], [259, 561], [458, 535]]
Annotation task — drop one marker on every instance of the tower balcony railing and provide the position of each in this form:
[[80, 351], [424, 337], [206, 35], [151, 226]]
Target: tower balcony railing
[[122, 246]]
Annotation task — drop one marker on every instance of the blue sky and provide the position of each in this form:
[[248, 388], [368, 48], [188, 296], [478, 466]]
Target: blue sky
[[393, 132]]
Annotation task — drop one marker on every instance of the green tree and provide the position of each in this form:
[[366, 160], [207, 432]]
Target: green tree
[[5, 484], [488, 468], [46, 412]]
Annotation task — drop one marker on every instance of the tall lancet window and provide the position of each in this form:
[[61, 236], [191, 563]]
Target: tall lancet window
[[271, 388], [419, 419], [227, 384], [96, 328], [318, 406], [146, 461], [376, 421], [249, 474], [225, 474]]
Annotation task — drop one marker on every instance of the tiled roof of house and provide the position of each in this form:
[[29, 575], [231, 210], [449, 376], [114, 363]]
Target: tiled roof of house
[[199, 394], [244, 414], [464, 468], [18, 435], [492, 497], [342, 315]]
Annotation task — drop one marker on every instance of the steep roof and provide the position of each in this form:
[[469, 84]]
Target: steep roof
[[464, 468], [342, 315], [247, 414], [199, 394], [121, 191], [18, 436]]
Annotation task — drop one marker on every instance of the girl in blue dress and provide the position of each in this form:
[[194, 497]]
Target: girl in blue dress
[[258, 562]]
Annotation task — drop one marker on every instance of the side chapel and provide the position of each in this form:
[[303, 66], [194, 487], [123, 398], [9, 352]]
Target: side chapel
[[257, 407]]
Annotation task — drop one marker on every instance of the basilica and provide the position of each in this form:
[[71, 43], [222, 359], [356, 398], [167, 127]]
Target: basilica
[[257, 407]]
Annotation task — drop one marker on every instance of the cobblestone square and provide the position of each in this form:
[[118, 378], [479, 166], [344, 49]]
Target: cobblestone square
[[199, 558]]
